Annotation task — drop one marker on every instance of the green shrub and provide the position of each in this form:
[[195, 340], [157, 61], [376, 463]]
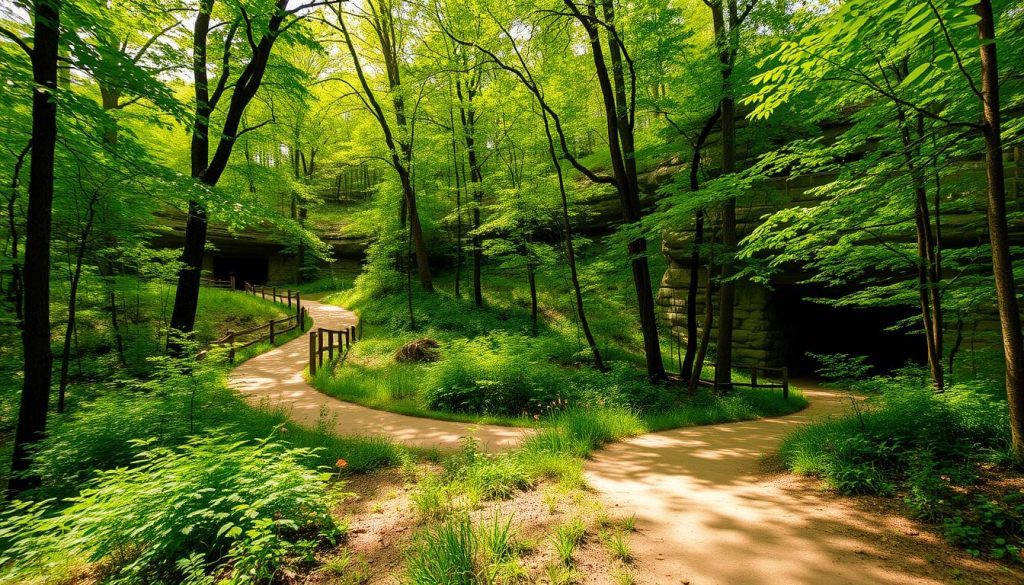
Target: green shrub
[[237, 503], [495, 374], [927, 447]]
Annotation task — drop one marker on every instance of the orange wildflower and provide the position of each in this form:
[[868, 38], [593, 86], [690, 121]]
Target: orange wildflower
[[341, 463]]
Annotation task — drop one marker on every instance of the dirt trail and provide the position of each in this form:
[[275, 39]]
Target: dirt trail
[[709, 513], [277, 376]]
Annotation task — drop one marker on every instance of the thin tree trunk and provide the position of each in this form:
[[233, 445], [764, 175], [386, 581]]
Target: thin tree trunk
[[727, 293], [118, 339], [12, 225], [686, 369], [468, 116], [570, 252], [458, 202], [709, 319], [36, 351], [419, 244], [76, 277], [1002, 261], [531, 278], [926, 286]]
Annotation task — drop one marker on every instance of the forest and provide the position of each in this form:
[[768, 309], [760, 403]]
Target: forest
[[528, 291]]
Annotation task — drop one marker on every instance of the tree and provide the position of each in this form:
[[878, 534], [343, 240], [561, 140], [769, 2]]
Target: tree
[[207, 170], [620, 118], [37, 355], [381, 19]]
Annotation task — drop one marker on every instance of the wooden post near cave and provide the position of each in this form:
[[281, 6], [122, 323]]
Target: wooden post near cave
[[312, 353], [271, 332]]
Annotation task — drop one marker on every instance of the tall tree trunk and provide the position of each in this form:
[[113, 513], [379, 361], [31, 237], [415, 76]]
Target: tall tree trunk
[[397, 160], [927, 286], [1002, 261], [727, 292], [619, 122], [36, 351], [458, 199], [686, 369], [207, 169], [531, 279], [468, 116], [709, 321], [76, 277]]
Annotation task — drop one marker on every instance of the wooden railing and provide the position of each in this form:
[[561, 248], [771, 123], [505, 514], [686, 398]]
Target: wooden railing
[[236, 340], [327, 341], [228, 283], [782, 379], [287, 298]]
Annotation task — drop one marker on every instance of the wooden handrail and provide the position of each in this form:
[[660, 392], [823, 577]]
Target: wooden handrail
[[340, 339]]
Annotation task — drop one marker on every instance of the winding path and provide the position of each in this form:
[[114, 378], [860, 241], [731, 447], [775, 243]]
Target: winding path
[[277, 377], [707, 511], [710, 513]]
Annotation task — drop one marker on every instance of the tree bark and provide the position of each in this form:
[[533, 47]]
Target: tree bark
[[686, 369], [468, 116], [727, 292], [619, 123], [37, 355], [1002, 261]]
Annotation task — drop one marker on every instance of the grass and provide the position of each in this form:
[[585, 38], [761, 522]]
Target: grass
[[492, 371], [933, 451], [459, 552]]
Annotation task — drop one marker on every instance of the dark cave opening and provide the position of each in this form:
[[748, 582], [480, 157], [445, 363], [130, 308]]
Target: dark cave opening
[[819, 328], [253, 270]]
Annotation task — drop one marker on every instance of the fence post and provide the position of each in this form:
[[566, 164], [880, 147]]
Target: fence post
[[753, 377], [302, 319], [289, 298], [273, 294], [348, 342], [320, 346], [312, 353], [352, 333], [785, 382], [263, 291], [231, 346], [330, 345], [231, 280], [271, 332], [298, 304]]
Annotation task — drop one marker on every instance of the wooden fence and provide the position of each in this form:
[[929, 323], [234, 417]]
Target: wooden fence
[[228, 283], [286, 297], [780, 381], [236, 340], [327, 341]]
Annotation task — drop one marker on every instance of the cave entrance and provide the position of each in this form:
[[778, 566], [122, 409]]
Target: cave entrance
[[253, 270], [825, 329]]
